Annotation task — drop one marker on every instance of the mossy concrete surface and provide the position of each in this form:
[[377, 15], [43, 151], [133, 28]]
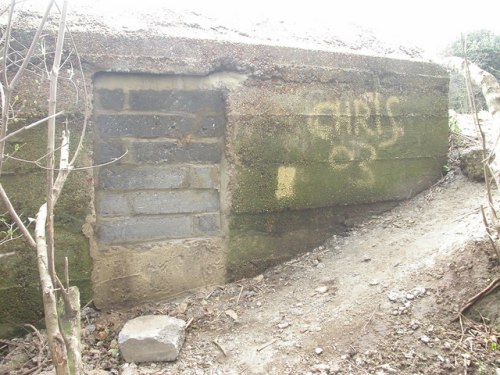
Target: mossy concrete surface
[[20, 294], [259, 241], [314, 151]]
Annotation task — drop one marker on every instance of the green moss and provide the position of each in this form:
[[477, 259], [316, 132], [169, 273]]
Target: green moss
[[20, 305], [25, 184], [312, 139], [258, 241], [299, 178], [20, 295], [252, 253], [320, 185]]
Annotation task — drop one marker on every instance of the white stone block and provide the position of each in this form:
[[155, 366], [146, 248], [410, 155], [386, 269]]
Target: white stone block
[[152, 338]]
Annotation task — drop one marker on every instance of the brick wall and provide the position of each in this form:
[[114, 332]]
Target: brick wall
[[169, 140]]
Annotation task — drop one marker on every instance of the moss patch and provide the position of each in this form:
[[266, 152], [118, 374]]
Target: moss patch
[[25, 184], [320, 185], [258, 241]]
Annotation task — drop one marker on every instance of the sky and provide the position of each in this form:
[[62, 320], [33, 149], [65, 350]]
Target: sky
[[430, 24]]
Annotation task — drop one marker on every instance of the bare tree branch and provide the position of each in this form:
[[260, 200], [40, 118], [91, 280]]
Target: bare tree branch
[[51, 135], [63, 328], [33, 45], [30, 126], [16, 218], [7, 44], [9, 87]]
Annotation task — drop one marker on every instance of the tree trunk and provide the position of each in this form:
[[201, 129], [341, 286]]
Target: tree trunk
[[69, 315], [54, 337]]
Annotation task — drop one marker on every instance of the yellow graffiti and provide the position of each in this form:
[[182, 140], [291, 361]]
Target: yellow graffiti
[[286, 182], [397, 131], [355, 132]]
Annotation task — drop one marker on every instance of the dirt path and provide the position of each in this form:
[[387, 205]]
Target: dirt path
[[358, 272], [317, 312]]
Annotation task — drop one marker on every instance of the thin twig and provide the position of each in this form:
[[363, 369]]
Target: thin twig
[[239, 296], [213, 291], [462, 334], [27, 127], [266, 345], [37, 162], [66, 272], [220, 347], [488, 232], [88, 304], [490, 288], [189, 322], [39, 344], [370, 319], [33, 45], [16, 218]]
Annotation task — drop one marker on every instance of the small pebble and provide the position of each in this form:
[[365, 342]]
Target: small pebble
[[322, 289], [283, 325], [425, 339], [318, 351]]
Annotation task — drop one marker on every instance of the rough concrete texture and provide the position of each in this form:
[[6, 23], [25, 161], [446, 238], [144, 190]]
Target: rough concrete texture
[[309, 136], [152, 338], [354, 136], [285, 138], [158, 207], [127, 275], [20, 296]]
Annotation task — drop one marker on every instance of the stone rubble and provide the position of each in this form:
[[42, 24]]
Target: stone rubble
[[152, 338]]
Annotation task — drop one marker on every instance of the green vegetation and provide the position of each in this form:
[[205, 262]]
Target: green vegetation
[[483, 49]]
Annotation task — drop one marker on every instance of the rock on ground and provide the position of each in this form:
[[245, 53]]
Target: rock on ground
[[152, 338], [471, 163]]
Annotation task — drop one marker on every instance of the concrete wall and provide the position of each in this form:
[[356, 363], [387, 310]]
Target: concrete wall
[[235, 157], [229, 172], [305, 152], [20, 293]]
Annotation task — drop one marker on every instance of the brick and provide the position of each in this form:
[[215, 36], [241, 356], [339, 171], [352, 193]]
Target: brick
[[204, 177], [143, 177], [210, 126], [205, 102], [207, 224], [110, 99], [169, 202], [167, 152], [143, 126], [105, 152], [144, 229], [153, 126], [111, 204]]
